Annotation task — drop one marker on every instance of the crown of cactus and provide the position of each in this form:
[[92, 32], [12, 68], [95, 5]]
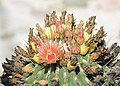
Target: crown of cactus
[[64, 54]]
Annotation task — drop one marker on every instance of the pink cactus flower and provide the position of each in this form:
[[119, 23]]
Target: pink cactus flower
[[68, 33], [80, 37], [58, 25], [75, 49]]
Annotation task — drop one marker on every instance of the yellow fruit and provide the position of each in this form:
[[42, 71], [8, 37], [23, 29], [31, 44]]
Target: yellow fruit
[[33, 46], [92, 47], [83, 49], [17, 75], [86, 35], [43, 83], [94, 56], [27, 69], [36, 58], [94, 69], [70, 67]]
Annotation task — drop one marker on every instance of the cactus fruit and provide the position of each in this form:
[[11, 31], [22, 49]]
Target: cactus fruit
[[64, 54]]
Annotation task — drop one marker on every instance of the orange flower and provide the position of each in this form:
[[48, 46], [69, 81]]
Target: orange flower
[[49, 52]]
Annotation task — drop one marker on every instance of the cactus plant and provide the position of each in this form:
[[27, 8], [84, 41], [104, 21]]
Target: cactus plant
[[64, 54]]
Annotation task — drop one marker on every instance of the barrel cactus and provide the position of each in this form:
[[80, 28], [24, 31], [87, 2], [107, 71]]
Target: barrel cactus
[[63, 53]]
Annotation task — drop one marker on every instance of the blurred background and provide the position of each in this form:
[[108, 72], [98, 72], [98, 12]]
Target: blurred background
[[17, 16]]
